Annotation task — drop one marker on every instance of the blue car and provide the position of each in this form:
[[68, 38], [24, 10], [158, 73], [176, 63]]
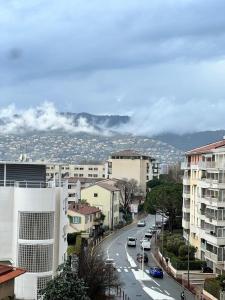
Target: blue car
[[156, 272]]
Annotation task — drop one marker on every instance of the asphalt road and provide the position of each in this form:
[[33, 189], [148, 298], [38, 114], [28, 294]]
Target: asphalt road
[[136, 283]]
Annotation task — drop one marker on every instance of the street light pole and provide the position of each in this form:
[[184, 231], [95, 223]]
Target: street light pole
[[188, 259], [143, 261], [162, 236]]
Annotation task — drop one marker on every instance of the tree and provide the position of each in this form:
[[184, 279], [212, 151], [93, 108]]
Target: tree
[[129, 189], [65, 285], [167, 199], [98, 276], [183, 252]]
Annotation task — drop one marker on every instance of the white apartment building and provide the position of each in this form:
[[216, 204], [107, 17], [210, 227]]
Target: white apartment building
[[130, 164], [33, 222], [204, 203], [76, 170]]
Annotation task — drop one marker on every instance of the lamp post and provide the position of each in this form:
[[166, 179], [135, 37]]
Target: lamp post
[[143, 261], [188, 259]]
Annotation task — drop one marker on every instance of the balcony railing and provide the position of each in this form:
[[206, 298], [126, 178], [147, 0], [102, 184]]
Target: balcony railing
[[32, 184], [185, 224], [219, 241], [185, 165], [212, 256]]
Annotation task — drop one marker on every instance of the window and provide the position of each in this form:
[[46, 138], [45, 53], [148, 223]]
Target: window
[[35, 258], [95, 194], [75, 220], [81, 168], [89, 175], [95, 175], [36, 226], [69, 186], [103, 175], [76, 168], [90, 218], [90, 169], [75, 174], [81, 175], [41, 284], [86, 219], [96, 169]]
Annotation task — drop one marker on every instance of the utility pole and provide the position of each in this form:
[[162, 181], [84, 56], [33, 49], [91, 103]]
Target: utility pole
[[143, 261], [188, 259], [162, 235]]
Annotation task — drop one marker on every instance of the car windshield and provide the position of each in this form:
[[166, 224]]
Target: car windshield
[[131, 239]]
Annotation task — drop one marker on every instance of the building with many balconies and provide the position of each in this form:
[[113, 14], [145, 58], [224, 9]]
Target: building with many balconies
[[33, 222], [204, 203]]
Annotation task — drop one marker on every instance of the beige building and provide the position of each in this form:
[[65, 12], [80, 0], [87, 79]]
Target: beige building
[[106, 197], [84, 218], [129, 164], [204, 203], [75, 170]]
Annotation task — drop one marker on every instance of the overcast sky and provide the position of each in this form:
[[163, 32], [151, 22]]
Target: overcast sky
[[162, 61]]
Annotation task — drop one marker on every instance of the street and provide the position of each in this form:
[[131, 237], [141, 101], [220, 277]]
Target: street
[[136, 283]]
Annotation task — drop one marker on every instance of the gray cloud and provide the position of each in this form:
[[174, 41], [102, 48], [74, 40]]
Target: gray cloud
[[85, 55]]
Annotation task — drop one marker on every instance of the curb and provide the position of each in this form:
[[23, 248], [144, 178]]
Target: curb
[[158, 263]]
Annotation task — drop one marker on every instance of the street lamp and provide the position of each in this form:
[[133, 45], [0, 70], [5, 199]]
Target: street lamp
[[188, 259]]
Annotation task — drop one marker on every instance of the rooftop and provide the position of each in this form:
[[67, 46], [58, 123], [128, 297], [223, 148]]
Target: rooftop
[[82, 179], [207, 148], [107, 186], [129, 153], [84, 209], [8, 273]]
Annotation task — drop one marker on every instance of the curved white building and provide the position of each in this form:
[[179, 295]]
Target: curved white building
[[33, 219]]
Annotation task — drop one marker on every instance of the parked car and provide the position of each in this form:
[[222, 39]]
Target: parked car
[[131, 241], [206, 269], [140, 257], [156, 272], [109, 262], [146, 245], [148, 235], [141, 223], [153, 229]]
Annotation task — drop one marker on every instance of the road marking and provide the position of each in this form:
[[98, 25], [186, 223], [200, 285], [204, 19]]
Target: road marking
[[156, 295], [140, 275], [117, 254], [130, 259], [125, 270], [118, 270], [167, 292]]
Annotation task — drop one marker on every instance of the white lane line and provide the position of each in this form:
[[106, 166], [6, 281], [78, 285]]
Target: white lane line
[[117, 254], [118, 270], [167, 292], [147, 271], [156, 295], [130, 259], [125, 270]]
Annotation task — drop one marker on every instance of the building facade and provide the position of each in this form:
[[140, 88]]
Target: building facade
[[129, 164], [107, 198], [33, 222], [204, 203], [76, 170]]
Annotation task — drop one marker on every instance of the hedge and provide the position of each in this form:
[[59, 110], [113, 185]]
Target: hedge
[[178, 264], [212, 286]]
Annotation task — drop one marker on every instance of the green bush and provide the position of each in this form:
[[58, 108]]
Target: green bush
[[179, 264], [70, 250], [212, 286], [183, 252]]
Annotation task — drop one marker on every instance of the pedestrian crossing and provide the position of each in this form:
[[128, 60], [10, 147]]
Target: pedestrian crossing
[[125, 269]]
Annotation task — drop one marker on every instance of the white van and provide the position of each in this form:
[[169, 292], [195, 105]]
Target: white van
[[131, 242], [146, 245]]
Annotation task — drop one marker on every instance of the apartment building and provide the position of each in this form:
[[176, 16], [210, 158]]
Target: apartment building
[[107, 198], [130, 164], [204, 203], [33, 222], [76, 170]]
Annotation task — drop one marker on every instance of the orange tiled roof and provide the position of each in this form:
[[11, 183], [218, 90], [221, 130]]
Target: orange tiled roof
[[9, 272], [207, 148], [84, 209]]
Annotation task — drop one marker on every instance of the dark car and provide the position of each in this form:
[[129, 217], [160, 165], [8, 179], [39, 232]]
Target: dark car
[[140, 257], [206, 269], [156, 272]]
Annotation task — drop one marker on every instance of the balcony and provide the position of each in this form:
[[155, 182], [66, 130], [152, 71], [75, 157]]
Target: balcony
[[218, 241], [33, 184], [215, 222], [185, 224], [203, 183], [186, 194], [212, 201], [212, 256], [186, 208], [186, 180], [185, 165]]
